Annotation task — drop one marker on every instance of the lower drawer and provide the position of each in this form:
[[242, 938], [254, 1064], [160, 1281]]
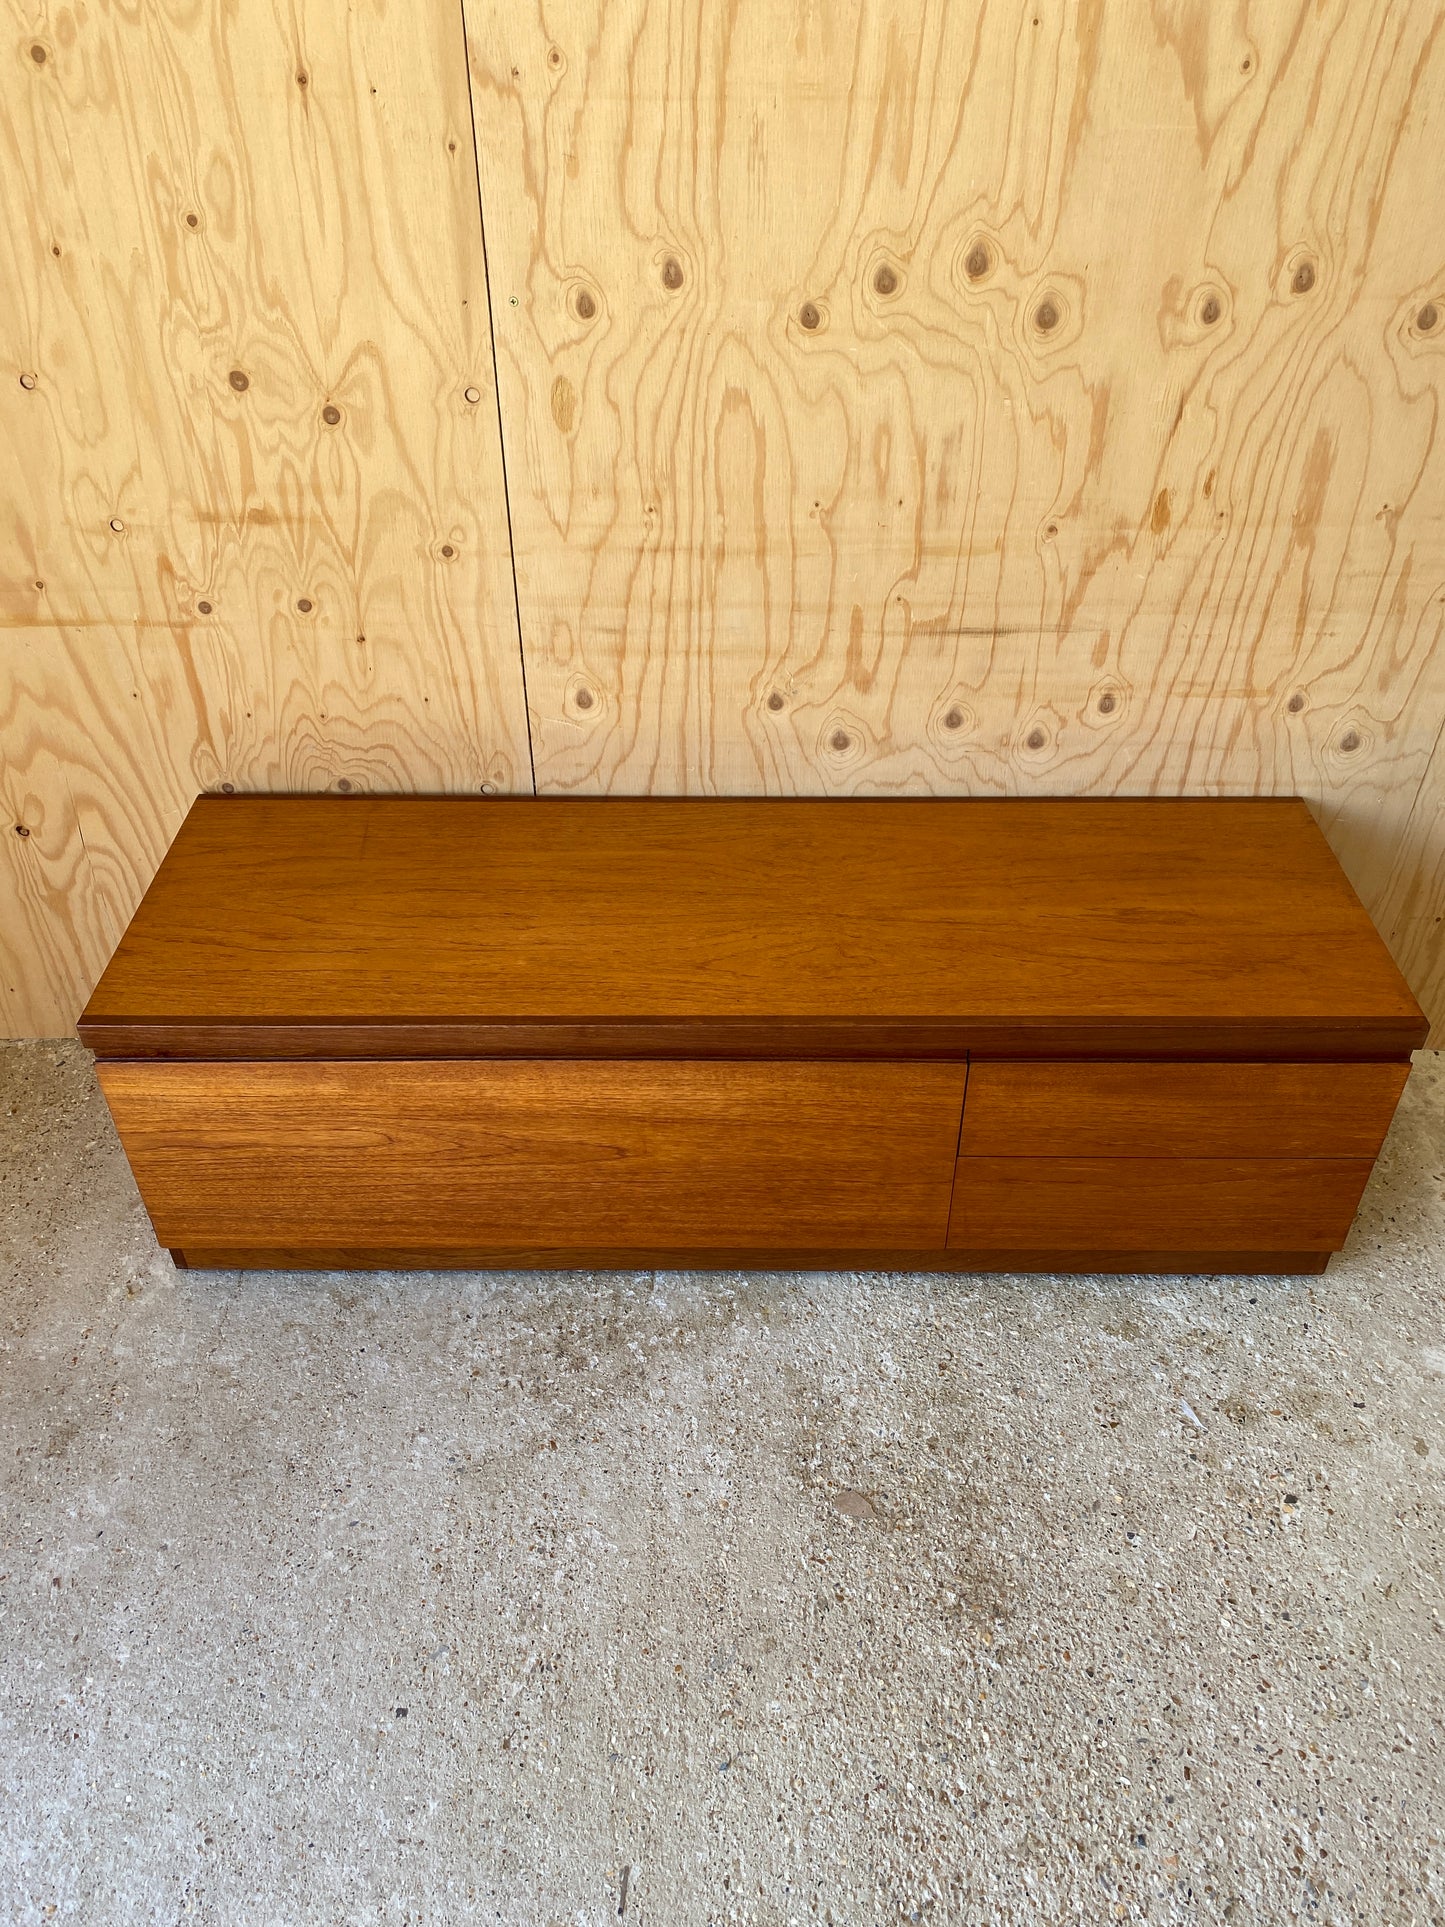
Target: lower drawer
[[541, 1155], [1155, 1204]]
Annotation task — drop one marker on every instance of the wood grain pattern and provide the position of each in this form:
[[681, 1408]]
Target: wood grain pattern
[[930, 396], [714, 925], [1161, 1203], [1179, 1110], [541, 1154], [252, 515]]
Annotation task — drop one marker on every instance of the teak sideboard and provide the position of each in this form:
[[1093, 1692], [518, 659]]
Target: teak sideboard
[[1006, 1035]]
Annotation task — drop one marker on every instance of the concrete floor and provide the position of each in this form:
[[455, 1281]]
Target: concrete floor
[[554, 1600]]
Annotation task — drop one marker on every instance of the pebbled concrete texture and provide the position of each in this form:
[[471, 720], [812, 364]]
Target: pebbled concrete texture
[[553, 1600]]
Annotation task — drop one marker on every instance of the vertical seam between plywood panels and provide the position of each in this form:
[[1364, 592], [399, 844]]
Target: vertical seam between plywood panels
[[497, 389]]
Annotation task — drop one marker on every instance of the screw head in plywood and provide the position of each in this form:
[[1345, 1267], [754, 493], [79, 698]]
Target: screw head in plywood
[[1301, 273]]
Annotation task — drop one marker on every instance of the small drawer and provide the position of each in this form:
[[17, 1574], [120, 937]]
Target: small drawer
[[1051, 1109], [1154, 1204]]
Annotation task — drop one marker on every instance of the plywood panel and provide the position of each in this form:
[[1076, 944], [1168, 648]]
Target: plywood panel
[[252, 516], [937, 396]]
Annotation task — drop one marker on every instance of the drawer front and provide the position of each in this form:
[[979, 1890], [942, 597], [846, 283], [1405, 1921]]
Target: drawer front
[[1179, 1110], [1155, 1204], [541, 1154]]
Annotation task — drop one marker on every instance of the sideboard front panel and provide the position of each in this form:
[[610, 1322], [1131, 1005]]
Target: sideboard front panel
[[545, 1154]]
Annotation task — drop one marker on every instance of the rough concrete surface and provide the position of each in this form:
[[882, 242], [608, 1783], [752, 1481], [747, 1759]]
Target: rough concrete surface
[[701, 1598]]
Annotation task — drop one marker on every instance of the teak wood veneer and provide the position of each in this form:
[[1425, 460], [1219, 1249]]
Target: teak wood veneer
[[955, 1034]]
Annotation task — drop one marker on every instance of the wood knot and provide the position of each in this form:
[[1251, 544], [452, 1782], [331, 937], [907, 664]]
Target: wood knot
[[1036, 738], [27, 381], [1428, 318], [228, 789], [584, 698], [775, 702], [20, 830], [954, 719], [343, 784], [1046, 315], [1303, 278], [1350, 741], [331, 414], [840, 740], [193, 219], [808, 315], [1210, 309], [203, 608], [978, 261], [1296, 703], [1108, 703], [239, 380], [305, 604], [672, 272], [885, 280], [584, 304], [39, 54], [448, 551]]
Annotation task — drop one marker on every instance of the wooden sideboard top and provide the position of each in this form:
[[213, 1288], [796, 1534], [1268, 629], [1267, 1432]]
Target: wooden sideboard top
[[389, 926]]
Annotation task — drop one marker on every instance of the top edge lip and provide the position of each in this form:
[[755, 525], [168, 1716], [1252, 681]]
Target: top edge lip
[[1158, 1038]]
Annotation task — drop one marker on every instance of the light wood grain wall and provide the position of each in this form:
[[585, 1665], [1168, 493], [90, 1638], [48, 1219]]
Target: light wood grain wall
[[252, 516], [976, 396], [954, 396]]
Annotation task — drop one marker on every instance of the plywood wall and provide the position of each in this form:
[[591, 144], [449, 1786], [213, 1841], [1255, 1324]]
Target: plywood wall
[[252, 517], [981, 396], [953, 396]]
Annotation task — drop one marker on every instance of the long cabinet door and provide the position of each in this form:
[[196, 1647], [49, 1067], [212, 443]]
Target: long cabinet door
[[542, 1154]]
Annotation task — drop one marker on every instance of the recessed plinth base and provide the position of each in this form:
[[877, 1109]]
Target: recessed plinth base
[[1178, 1263]]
